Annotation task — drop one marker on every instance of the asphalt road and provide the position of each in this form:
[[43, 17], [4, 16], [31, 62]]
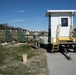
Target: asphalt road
[[58, 64]]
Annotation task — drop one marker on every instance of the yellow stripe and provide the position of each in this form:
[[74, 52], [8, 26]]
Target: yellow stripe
[[52, 40], [65, 39]]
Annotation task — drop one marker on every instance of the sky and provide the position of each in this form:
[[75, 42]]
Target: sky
[[30, 14]]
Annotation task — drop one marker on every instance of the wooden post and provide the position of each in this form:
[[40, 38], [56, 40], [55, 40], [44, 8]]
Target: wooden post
[[24, 58]]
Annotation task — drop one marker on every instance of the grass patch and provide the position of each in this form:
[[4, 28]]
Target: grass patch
[[15, 37], [14, 52], [11, 64], [2, 38]]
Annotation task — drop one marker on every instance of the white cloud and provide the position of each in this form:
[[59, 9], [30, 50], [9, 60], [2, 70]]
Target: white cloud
[[21, 11], [17, 20]]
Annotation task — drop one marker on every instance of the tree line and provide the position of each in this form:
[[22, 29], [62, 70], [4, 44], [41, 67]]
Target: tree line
[[5, 26]]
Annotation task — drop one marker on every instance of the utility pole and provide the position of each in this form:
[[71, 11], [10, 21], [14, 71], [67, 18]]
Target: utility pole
[[27, 33]]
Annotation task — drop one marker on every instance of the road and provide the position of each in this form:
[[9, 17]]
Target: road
[[58, 64]]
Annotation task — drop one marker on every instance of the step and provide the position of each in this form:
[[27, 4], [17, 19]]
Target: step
[[55, 47], [55, 44]]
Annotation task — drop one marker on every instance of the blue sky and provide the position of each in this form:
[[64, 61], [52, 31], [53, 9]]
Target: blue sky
[[30, 14]]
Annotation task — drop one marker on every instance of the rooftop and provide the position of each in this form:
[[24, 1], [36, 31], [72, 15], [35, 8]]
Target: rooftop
[[58, 11]]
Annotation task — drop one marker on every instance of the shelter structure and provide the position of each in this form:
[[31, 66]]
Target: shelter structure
[[60, 27]]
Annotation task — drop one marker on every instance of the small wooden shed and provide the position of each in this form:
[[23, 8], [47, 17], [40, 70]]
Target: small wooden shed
[[63, 18], [60, 29]]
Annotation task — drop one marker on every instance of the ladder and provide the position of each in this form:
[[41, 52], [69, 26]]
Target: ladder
[[55, 45]]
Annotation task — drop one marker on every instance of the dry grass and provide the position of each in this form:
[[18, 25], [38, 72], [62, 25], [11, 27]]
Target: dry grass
[[11, 64]]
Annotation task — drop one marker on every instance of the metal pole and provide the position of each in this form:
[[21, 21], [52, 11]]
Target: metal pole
[[49, 29], [27, 40]]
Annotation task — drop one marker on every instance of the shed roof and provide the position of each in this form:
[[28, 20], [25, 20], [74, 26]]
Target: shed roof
[[59, 11]]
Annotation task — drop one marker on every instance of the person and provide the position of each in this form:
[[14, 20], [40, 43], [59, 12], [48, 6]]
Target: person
[[36, 40]]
